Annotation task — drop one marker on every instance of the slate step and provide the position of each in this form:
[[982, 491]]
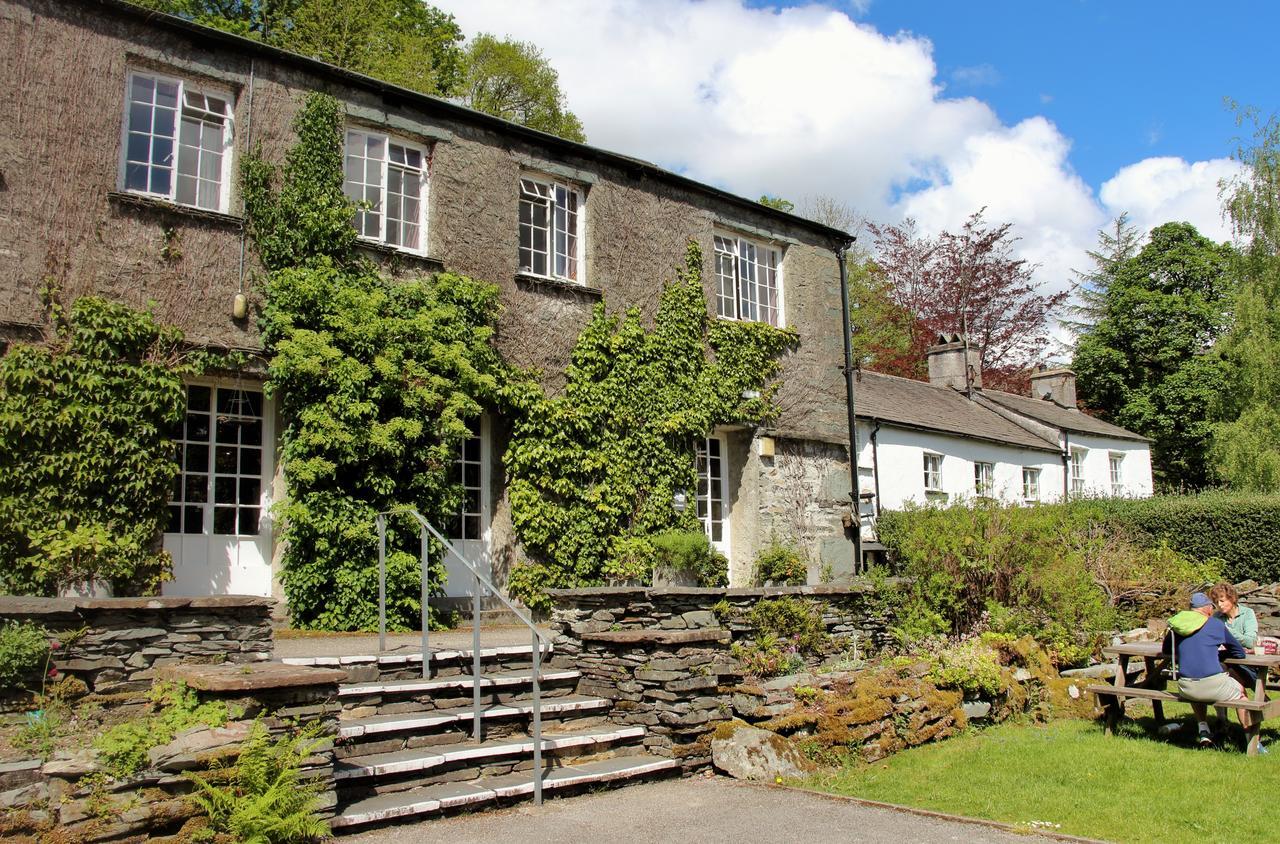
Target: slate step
[[394, 659], [552, 707], [495, 680], [476, 793], [422, 760]]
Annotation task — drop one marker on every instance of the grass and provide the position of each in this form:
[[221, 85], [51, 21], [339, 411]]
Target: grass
[[1068, 777]]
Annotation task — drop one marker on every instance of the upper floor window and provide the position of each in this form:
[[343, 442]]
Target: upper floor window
[[984, 479], [550, 230], [177, 142], [746, 280], [1077, 471], [388, 179], [1117, 474], [932, 472], [1031, 484]]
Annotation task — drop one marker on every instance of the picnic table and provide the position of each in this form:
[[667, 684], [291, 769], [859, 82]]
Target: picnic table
[[1154, 686]]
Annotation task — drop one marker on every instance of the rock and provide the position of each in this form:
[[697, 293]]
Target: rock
[[191, 748], [976, 709], [18, 798], [14, 774], [73, 765], [754, 754], [790, 681], [1022, 675], [701, 618]]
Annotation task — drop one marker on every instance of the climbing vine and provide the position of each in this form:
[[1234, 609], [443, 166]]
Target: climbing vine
[[86, 459], [594, 470], [378, 380]]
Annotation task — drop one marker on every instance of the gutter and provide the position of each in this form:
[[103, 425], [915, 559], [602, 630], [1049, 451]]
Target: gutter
[[875, 463], [855, 499], [1066, 466]]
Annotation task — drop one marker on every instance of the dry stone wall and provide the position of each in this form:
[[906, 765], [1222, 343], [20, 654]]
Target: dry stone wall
[[665, 656], [126, 640]]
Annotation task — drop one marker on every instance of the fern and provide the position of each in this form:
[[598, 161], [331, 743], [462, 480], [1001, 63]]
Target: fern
[[266, 800]]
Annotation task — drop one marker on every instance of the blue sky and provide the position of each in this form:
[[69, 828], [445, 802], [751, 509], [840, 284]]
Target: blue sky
[[1053, 116], [1123, 80]]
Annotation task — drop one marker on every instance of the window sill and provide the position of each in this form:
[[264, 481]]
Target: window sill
[[382, 250], [935, 495], [556, 285], [151, 203], [737, 321]]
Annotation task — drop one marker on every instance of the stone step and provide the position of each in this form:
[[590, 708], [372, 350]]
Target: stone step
[[496, 680], [552, 707], [396, 659], [476, 793], [424, 759]]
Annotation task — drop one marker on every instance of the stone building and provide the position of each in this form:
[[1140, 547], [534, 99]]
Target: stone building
[[123, 132]]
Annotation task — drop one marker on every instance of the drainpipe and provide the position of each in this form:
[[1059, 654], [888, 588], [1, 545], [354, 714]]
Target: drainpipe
[[875, 462], [848, 390], [1066, 467]]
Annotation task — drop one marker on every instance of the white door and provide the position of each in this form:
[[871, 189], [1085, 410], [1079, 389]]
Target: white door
[[712, 483], [469, 530], [219, 532]]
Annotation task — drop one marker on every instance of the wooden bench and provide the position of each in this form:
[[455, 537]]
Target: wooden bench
[[1113, 695]]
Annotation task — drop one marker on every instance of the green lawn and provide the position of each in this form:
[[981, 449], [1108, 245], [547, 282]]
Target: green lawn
[[1134, 786]]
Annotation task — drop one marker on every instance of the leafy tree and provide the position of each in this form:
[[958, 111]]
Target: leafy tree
[[1146, 364], [404, 42], [967, 282], [777, 203], [512, 80], [1115, 247], [1246, 444]]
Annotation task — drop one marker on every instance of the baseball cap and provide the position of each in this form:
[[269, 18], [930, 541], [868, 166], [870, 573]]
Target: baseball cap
[[1199, 599]]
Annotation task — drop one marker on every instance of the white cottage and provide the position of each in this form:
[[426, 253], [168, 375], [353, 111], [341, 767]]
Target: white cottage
[[949, 439]]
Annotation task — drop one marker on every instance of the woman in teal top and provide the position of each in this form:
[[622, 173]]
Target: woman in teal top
[[1240, 621]]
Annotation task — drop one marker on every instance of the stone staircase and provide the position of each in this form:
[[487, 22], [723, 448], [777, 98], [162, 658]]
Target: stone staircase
[[406, 745]]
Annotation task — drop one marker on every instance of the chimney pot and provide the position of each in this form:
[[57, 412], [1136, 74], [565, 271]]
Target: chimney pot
[[947, 364], [1058, 385]]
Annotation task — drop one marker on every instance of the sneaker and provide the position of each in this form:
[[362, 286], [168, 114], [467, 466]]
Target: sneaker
[[1262, 750], [1206, 740]]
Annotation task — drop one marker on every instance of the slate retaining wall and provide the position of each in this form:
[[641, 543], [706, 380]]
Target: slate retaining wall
[[665, 655], [128, 639]]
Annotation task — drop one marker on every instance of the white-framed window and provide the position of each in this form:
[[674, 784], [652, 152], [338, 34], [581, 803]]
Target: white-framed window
[[984, 479], [711, 482], [1077, 471], [387, 177], [550, 229], [467, 471], [1030, 484], [219, 451], [932, 472], [1117, 474], [176, 141], [747, 280]]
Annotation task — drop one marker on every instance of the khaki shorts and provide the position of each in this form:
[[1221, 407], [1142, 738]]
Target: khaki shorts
[[1212, 688]]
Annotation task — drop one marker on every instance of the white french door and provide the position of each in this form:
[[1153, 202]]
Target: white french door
[[469, 529], [219, 531], [712, 483]]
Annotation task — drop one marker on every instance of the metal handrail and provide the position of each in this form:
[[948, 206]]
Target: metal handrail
[[478, 581]]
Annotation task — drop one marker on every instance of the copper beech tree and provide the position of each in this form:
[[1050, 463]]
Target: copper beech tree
[[967, 281]]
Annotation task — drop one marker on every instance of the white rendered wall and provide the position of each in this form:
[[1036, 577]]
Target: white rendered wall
[[1135, 467]]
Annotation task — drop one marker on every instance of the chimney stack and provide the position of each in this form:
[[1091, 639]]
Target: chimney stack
[[1057, 385], [947, 365]]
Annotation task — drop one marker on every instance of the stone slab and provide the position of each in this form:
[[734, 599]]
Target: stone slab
[[658, 637], [250, 676]]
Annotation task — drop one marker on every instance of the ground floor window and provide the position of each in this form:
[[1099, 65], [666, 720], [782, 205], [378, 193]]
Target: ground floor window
[[1077, 471], [218, 447], [711, 485], [984, 479], [1031, 484], [468, 472], [1117, 474]]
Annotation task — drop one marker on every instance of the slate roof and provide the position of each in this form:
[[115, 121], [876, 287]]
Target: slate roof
[[1065, 418], [916, 404]]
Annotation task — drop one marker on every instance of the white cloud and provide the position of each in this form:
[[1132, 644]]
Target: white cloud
[[805, 101], [1161, 190]]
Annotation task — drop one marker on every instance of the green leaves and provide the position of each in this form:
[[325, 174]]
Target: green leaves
[[594, 469], [85, 456]]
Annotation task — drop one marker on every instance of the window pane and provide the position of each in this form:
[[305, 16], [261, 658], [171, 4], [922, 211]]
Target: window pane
[[167, 94], [224, 521], [225, 460], [249, 489], [224, 490], [251, 461], [248, 521], [195, 489], [197, 458], [174, 524], [197, 398], [193, 520], [135, 177]]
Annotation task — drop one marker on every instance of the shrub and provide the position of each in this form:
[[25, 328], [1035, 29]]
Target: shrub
[[793, 620], [970, 665], [24, 650], [691, 551], [768, 656], [266, 799], [780, 563], [174, 707]]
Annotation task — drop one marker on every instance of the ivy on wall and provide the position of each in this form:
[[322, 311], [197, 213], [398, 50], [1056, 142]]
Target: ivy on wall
[[378, 381], [593, 470], [86, 459]]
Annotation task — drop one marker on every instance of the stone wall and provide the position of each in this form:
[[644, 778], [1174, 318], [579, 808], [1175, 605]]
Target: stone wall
[[665, 656], [126, 640], [65, 799]]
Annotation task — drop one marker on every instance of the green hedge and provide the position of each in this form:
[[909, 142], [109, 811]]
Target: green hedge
[[1239, 528]]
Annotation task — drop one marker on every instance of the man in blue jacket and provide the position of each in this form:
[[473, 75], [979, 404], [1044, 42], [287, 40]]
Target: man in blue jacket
[[1198, 635]]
